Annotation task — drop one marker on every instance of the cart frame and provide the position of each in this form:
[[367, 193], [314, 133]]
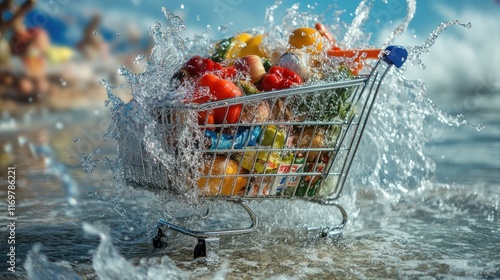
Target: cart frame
[[340, 155]]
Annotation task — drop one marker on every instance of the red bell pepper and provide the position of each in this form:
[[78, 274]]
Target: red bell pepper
[[219, 89], [280, 78]]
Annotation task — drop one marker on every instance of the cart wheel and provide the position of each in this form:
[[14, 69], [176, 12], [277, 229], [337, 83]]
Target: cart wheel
[[200, 250], [157, 240]]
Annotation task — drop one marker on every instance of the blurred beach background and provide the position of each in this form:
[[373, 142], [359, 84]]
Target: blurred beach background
[[88, 40]]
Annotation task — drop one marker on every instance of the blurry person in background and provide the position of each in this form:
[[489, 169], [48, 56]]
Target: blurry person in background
[[30, 46], [92, 45]]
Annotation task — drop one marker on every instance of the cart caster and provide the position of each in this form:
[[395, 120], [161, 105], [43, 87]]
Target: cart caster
[[207, 247], [158, 240], [333, 232], [200, 250]]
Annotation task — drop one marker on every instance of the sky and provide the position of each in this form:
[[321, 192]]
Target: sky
[[461, 59]]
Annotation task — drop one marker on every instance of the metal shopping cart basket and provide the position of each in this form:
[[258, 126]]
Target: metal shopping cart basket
[[301, 152]]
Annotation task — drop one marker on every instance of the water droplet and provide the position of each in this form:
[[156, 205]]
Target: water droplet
[[182, 6], [72, 201], [94, 33], [117, 34], [59, 125], [77, 140], [138, 59], [480, 127], [63, 82]]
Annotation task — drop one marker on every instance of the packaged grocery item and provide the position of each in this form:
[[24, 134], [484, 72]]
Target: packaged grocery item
[[260, 186], [280, 180], [298, 164], [310, 184], [245, 136]]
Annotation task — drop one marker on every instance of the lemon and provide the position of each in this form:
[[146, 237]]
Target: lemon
[[252, 46], [306, 37], [237, 44]]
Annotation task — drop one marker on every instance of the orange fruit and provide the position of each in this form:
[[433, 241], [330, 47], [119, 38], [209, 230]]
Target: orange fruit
[[306, 37], [221, 166]]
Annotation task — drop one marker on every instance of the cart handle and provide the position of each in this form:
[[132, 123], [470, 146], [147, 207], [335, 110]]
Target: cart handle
[[392, 55]]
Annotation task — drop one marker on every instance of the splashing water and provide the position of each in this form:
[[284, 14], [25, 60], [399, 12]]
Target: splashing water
[[392, 146], [55, 168], [414, 52], [396, 126], [410, 13], [355, 36]]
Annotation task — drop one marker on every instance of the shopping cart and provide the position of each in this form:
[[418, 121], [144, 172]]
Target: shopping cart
[[302, 149]]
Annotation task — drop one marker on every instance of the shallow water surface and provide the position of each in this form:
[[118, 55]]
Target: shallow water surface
[[446, 226]]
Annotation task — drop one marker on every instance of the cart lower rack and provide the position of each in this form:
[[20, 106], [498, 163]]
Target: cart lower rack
[[297, 143]]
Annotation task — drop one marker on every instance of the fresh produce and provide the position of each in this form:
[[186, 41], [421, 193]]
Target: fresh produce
[[225, 186], [273, 135], [253, 46], [251, 65], [220, 89], [229, 48], [280, 78], [325, 32], [306, 38], [297, 62], [310, 137], [197, 66], [255, 113], [328, 105], [248, 87]]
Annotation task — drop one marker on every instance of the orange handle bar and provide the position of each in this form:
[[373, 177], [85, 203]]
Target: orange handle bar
[[359, 54]]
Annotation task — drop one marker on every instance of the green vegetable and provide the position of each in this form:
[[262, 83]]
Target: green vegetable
[[327, 105], [267, 63], [221, 49]]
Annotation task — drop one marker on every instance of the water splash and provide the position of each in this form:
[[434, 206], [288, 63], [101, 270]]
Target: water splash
[[410, 13], [57, 169], [355, 36], [414, 52], [38, 267], [109, 264]]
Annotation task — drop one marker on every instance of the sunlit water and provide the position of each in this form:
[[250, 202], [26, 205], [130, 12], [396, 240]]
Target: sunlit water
[[422, 197]]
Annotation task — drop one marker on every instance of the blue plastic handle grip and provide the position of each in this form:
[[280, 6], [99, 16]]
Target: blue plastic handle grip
[[395, 55]]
